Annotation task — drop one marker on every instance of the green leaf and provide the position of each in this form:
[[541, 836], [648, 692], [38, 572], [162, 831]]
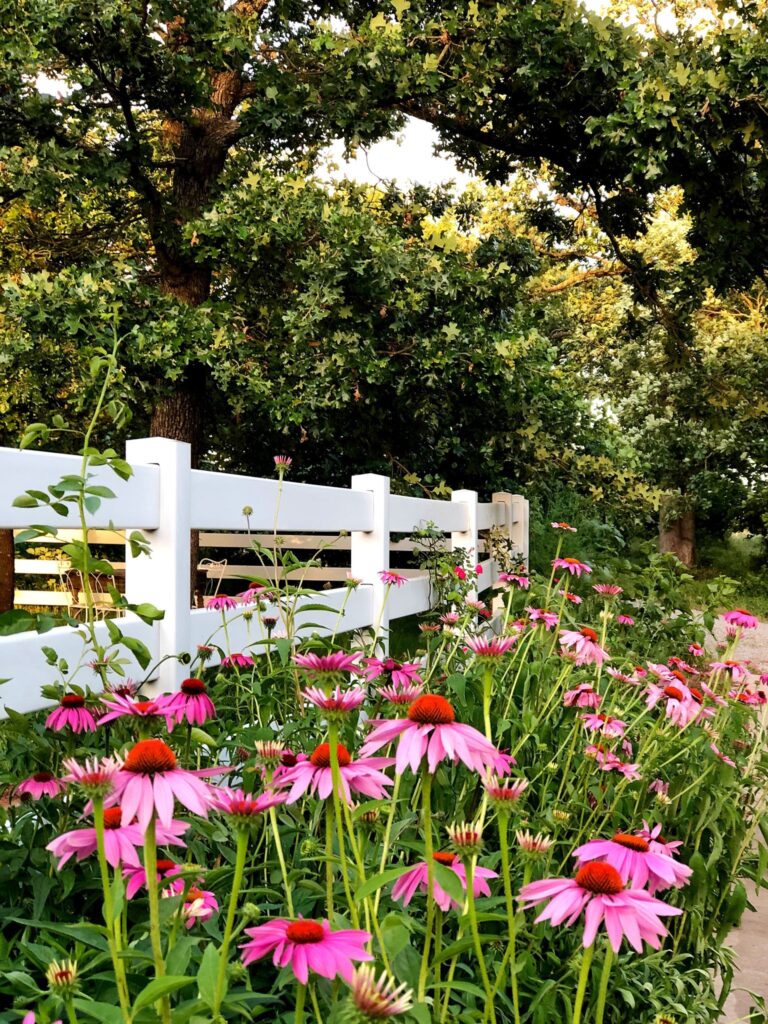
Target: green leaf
[[147, 612], [377, 881], [25, 501], [139, 650], [157, 988], [449, 880], [206, 975], [107, 1013]]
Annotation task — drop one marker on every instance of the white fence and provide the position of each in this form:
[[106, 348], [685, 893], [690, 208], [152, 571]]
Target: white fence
[[165, 499]]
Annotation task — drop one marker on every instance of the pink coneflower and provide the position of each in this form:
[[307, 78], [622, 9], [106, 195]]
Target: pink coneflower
[[199, 904], [696, 650], [478, 606], [741, 618], [321, 664], [582, 696], [679, 705], [607, 589], [191, 704], [40, 784], [313, 774], [29, 1018], [735, 669], [255, 593], [450, 618], [563, 526], [120, 841], [430, 729], [244, 808], [150, 780], [625, 620], [584, 644], [405, 693], [221, 603], [429, 627], [306, 946], [120, 707], [71, 713], [282, 462], [237, 659], [378, 1000], [659, 786], [495, 647], [122, 688], [600, 890], [604, 724], [523, 582], [611, 763], [338, 701], [622, 677], [549, 619], [571, 565], [135, 876], [397, 673], [748, 696], [573, 598], [723, 757], [657, 842], [415, 880], [534, 845], [636, 862], [503, 793], [95, 777], [392, 578]]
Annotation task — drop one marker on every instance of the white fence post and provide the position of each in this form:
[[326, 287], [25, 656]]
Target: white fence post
[[519, 529], [163, 577], [370, 551], [469, 538]]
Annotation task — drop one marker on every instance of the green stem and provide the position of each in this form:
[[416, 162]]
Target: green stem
[[71, 1015], [487, 692], [329, 859], [301, 995], [281, 859], [426, 797], [503, 826], [387, 836], [338, 796], [150, 870], [469, 865], [603, 991], [113, 927], [237, 882], [581, 988]]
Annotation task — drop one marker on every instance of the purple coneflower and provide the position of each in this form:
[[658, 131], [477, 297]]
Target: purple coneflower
[[571, 565], [495, 647], [313, 774], [322, 664], [392, 578], [71, 713], [306, 946], [378, 1000], [40, 784], [584, 644], [338, 701]]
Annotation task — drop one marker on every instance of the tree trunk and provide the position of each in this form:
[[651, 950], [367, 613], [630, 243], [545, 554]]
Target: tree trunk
[[7, 571], [678, 536]]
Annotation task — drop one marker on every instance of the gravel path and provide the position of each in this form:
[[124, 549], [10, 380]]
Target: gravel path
[[750, 941]]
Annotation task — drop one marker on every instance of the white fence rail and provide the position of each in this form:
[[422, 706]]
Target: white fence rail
[[166, 499]]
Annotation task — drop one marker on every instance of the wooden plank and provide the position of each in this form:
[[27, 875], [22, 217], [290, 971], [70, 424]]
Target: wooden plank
[[270, 572], [490, 513], [407, 514], [42, 598], [296, 542], [24, 665], [50, 566], [136, 501], [206, 624], [218, 500]]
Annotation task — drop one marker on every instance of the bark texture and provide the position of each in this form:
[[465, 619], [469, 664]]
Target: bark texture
[[678, 536], [7, 571]]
